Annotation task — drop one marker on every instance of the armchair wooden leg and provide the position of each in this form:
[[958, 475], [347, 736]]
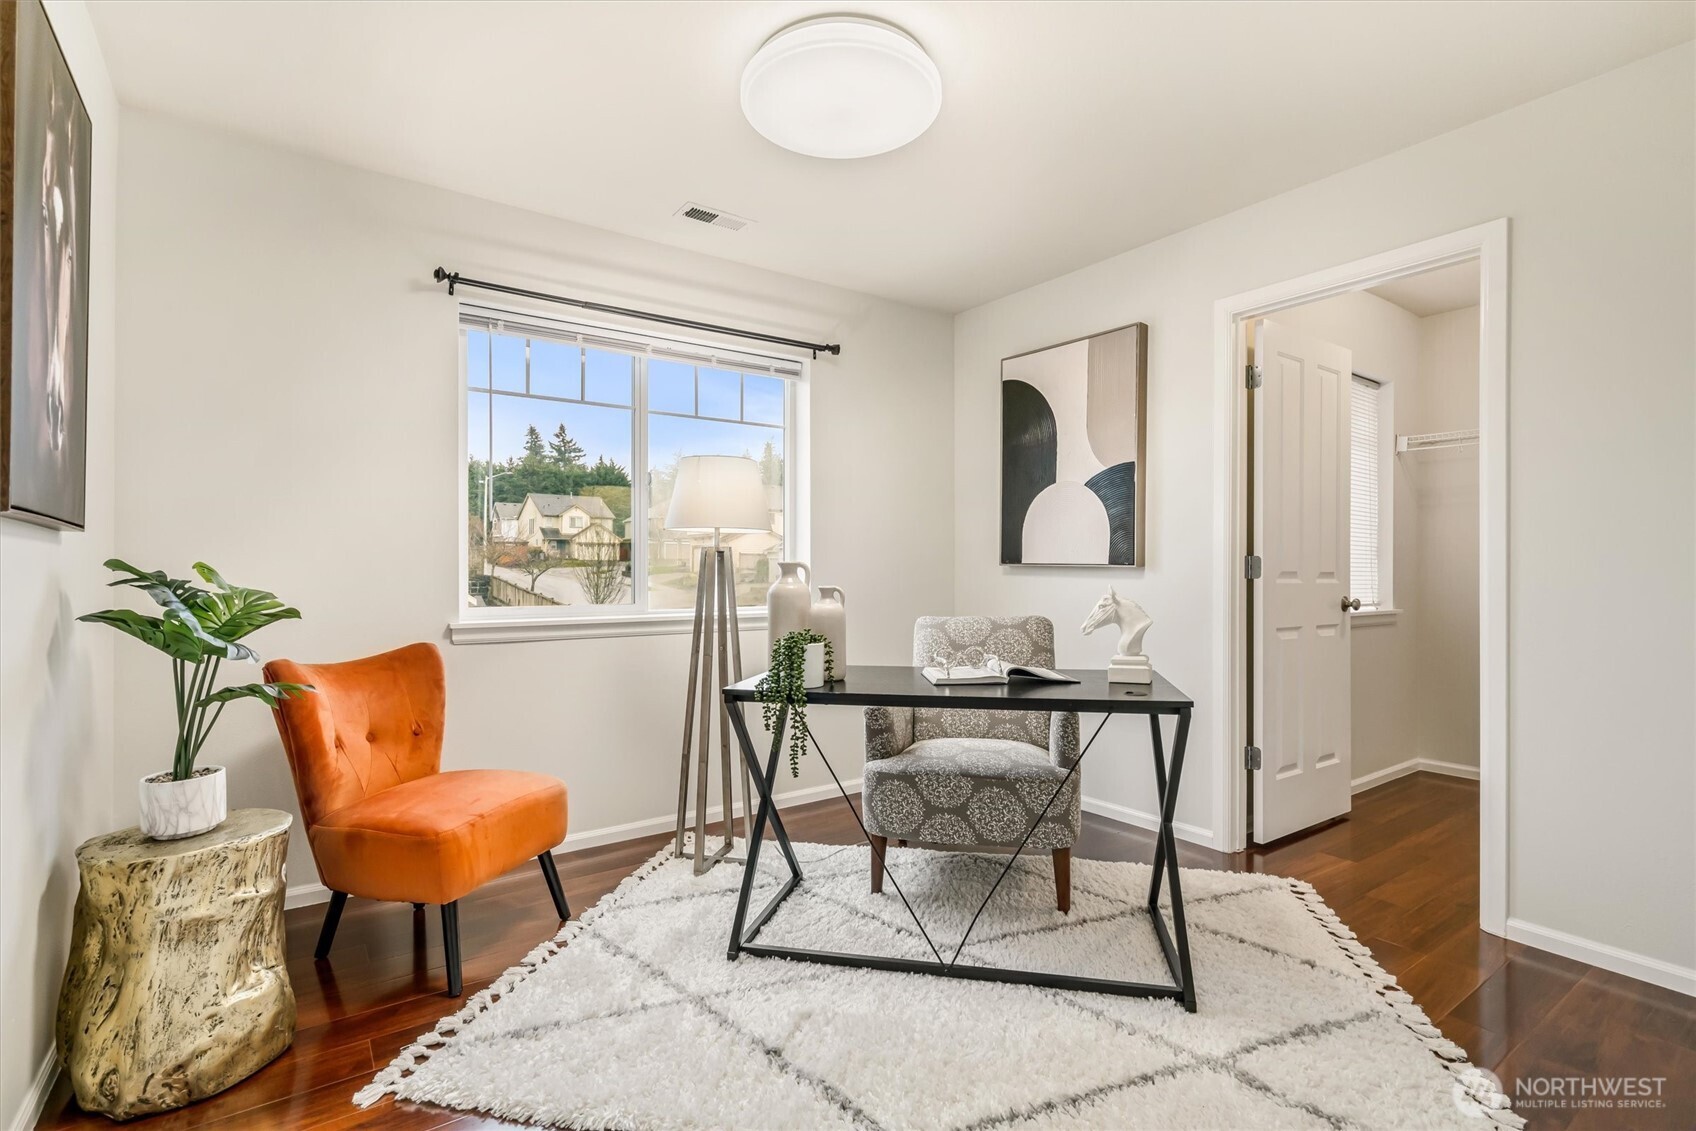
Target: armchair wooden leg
[[550, 872], [332, 920], [1063, 880], [880, 845], [450, 943]]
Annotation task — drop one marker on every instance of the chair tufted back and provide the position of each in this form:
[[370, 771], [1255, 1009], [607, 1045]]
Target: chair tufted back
[[1016, 640], [371, 724]]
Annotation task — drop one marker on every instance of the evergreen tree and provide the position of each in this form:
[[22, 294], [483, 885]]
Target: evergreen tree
[[533, 449], [606, 473], [568, 453], [771, 466]]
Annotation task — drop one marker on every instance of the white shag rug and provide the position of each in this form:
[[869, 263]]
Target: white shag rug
[[642, 1022]]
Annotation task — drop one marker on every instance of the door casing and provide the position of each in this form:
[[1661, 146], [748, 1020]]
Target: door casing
[[1488, 243]]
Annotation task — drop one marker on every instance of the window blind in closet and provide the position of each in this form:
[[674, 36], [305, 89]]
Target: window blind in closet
[[1365, 446]]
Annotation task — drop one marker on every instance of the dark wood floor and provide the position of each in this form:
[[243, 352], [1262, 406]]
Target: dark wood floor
[[1402, 871]]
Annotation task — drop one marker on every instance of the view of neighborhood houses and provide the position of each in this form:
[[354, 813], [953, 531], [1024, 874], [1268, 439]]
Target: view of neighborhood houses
[[551, 503]]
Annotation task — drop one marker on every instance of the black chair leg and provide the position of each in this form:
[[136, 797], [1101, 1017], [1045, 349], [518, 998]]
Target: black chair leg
[[550, 872], [332, 919], [450, 943]]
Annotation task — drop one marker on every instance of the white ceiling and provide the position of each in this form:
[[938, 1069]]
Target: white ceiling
[[1069, 131], [1454, 287]]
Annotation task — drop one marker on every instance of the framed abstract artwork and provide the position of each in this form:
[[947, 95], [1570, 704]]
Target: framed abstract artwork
[[1074, 469], [46, 148]]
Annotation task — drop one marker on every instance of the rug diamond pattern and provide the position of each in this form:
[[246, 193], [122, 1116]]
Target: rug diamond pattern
[[640, 1020]]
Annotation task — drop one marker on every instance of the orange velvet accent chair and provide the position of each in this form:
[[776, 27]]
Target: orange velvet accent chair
[[383, 818]]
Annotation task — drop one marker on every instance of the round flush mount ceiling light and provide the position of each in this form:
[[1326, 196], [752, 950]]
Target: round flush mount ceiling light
[[841, 86]]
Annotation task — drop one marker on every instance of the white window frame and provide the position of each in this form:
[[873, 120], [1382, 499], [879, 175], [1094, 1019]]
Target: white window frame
[[1386, 611], [484, 625]]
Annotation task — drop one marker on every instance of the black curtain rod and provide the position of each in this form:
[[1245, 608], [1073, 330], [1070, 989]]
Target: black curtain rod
[[455, 279]]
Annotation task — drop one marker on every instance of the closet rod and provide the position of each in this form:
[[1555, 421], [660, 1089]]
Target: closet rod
[[455, 279]]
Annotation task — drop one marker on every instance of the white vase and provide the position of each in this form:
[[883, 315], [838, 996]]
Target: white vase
[[830, 620], [171, 810], [789, 601], [812, 667]]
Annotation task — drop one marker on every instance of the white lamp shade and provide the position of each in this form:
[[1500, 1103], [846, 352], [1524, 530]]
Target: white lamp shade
[[718, 493]]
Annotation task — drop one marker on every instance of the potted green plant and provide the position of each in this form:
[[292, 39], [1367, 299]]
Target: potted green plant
[[784, 686], [198, 628]]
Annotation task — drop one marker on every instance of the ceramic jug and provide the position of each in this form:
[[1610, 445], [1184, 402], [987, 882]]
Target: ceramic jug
[[830, 620], [789, 601]]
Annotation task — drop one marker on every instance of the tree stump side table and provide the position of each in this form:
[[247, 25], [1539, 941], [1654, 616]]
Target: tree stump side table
[[176, 986]]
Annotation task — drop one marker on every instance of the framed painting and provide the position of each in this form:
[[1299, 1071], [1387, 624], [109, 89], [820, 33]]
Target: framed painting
[[46, 148], [1074, 467]]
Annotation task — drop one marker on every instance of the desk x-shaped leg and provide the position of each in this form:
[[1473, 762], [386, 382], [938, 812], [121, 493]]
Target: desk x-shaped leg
[[1174, 943]]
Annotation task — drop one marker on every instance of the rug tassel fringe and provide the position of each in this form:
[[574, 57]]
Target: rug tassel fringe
[[1481, 1089], [388, 1081]]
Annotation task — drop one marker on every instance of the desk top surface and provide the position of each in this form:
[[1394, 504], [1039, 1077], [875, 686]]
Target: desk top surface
[[878, 686]]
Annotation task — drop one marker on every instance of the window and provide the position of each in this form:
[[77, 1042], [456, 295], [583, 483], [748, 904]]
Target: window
[[573, 437], [1369, 494]]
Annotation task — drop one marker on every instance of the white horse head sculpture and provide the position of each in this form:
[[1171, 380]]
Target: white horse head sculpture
[[1125, 613]]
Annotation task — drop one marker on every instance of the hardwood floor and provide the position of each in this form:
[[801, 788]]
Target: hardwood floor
[[1401, 871]]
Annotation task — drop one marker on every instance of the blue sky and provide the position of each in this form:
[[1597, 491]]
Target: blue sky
[[607, 377]]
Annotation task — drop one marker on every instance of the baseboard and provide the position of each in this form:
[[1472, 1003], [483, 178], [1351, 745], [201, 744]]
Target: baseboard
[[36, 1098], [305, 895], [1449, 769], [1126, 815], [1681, 979], [1412, 766]]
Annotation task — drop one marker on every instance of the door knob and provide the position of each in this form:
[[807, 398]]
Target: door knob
[[1348, 604]]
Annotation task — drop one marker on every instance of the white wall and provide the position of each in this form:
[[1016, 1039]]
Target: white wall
[[290, 412], [1385, 707], [1443, 486], [55, 674], [1602, 569]]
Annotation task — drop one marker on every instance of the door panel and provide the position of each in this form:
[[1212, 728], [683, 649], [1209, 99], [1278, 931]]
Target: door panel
[[1301, 531]]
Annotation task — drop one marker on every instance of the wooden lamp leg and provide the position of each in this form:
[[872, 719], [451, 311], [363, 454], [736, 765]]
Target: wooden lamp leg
[[1063, 880], [689, 709]]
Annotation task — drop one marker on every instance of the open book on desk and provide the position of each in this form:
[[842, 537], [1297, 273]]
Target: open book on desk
[[993, 671]]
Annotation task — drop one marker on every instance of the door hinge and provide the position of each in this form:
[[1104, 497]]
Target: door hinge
[[1251, 757], [1253, 378], [1251, 567]]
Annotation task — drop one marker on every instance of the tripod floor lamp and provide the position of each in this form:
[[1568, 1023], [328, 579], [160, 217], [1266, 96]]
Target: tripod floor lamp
[[723, 494]]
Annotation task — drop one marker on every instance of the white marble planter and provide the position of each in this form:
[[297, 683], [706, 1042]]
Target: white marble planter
[[812, 666], [171, 810]]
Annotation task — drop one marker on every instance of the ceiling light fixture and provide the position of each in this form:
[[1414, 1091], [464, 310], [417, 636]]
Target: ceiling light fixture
[[840, 87]]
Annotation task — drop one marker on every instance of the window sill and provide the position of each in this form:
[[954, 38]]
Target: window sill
[[1365, 617], [517, 630]]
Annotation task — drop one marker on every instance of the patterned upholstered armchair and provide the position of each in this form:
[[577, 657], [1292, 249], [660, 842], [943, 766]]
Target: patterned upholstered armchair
[[974, 779]]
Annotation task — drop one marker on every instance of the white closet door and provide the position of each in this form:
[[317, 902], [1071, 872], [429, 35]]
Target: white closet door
[[1301, 633]]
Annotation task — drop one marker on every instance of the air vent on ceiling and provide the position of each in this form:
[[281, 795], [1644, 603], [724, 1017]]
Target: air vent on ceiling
[[717, 217]]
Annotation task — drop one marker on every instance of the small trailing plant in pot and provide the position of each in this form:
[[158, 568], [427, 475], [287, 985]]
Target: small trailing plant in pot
[[784, 686], [198, 627]]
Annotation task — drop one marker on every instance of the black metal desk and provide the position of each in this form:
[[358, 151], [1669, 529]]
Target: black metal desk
[[906, 687]]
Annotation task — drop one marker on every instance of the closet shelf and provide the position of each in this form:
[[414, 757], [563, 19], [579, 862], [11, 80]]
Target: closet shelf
[[1430, 441]]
